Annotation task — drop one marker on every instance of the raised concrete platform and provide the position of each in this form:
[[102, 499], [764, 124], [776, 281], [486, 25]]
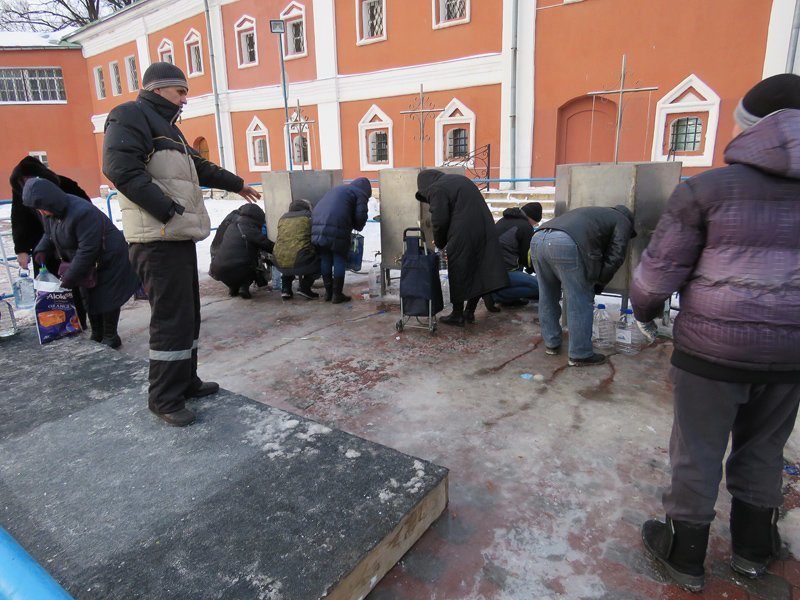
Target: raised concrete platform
[[249, 502]]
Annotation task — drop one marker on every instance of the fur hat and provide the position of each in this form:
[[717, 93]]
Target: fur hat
[[533, 210], [766, 97], [163, 74]]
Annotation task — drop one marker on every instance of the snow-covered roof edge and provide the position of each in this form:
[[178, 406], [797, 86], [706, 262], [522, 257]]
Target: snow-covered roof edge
[[22, 40]]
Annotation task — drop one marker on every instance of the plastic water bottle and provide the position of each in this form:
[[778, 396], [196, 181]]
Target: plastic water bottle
[[375, 277], [628, 338], [8, 324], [276, 279], [445, 280], [24, 296], [47, 282], [603, 331]]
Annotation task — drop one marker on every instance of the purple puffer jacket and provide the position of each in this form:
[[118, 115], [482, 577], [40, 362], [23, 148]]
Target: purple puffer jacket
[[729, 242]]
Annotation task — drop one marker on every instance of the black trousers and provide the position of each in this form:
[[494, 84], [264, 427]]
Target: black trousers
[[168, 271], [758, 419]]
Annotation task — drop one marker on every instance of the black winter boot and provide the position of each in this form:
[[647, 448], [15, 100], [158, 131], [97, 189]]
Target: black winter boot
[[338, 291], [456, 317], [304, 289], [469, 310], [754, 537], [680, 546], [96, 322], [489, 302], [110, 322], [286, 287], [244, 291], [327, 281]]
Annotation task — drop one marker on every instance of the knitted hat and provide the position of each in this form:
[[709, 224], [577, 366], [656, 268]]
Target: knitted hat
[[766, 97], [163, 74], [533, 210]]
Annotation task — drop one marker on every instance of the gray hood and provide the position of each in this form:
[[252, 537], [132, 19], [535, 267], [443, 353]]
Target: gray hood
[[772, 145]]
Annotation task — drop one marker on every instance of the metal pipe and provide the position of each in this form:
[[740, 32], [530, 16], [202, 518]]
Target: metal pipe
[[513, 89], [214, 88], [285, 104], [792, 54]]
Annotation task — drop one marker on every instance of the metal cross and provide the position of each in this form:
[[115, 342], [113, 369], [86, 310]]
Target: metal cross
[[300, 124], [421, 112], [622, 90]]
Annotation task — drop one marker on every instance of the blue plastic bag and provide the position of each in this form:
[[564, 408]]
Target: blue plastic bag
[[355, 254]]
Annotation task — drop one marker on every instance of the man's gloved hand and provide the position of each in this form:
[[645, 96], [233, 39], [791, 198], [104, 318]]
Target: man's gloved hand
[[649, 330], [40, 258]]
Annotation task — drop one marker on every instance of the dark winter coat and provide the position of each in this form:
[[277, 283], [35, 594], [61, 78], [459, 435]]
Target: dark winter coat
[[729, 242], [514, 232], [84, 236], [602, 235], [463, 225], [153, 168], [339, 211], [26, 225], [294, 253], [234, 261]]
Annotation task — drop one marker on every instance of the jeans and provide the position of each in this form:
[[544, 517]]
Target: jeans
[[558, 264], [329, 261], [523, 286]]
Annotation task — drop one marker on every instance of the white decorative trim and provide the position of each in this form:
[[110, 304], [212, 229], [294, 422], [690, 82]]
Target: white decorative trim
[[244, 24], [325, 40], [306, 131], [165, 46], [670, 104], [438, 8], [193, 37], [143, 50], [360, 39], [779, 33], [365, 125], [446, 118], [254, 130], [294, 11], [330, 133]]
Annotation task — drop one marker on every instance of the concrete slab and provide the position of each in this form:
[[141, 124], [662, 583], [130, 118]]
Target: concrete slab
[[249, 502]]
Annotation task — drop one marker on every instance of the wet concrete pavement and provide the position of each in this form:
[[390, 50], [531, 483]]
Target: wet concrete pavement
[[552, 469]]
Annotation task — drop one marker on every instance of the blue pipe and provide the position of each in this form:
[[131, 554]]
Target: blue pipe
[[21, 577]]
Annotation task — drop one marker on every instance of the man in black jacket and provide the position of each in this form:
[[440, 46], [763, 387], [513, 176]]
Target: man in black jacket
[[158, 177], [515, 230], [579, 250]]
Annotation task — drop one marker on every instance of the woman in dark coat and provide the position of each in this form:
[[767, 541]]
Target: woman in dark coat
[[79, 233], [463, 226], [234, 258], [26, 225], [339, 211]]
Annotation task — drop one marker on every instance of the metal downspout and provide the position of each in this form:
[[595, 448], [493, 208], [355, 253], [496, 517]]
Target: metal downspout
[[513, 108], [791, 55], [217, 117]]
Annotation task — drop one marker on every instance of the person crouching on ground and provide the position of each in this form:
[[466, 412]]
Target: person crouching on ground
[[515, 230], [342, 209], [464, 227], [728, 241], [294, 253], [79, 233], [235, 261]]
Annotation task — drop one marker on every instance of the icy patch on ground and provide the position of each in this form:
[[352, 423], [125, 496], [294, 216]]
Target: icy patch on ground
[[352, 453], [273, 433]]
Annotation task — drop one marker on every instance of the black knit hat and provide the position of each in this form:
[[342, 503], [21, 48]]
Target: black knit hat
[[163, 74], [764, 98], [533, 210]]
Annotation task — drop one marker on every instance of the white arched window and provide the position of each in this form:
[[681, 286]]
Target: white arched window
[[194, 53], [455, 133], [375, 140], [166, 52], [294, 40], [258, 157], [246, 48]]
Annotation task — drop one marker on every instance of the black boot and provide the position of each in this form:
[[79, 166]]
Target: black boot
[[469, 310], [488, 301], [304, 289], [110, 322], [233, 291], [680, 547], [286, 287], [96, 322], [338, 291], [244, 291], [754, 537], [456, 317], [327, 281]]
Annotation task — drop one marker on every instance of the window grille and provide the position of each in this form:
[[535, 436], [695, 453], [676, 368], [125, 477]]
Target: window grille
[[116, 79], [100, 82], [41, 157], [298, 44], [300, 149], [248, 41], [459, 143], [455, 9], [133, 75], [379, 147], [373, 18], [686, 134], [195, 58], [262, 157], [32, 85]]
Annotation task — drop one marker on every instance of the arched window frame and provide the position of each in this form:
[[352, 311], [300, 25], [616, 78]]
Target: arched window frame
[[246, 24], [447, 120], [290, 15], [690, 98], [255, 131], [294, 132], [166, 51], [374, 120], [192, 40]]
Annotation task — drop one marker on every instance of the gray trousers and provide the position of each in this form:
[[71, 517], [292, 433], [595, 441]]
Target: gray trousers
[[759, 419]]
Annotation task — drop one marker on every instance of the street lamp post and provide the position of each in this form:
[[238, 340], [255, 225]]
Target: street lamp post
[[279, 27]]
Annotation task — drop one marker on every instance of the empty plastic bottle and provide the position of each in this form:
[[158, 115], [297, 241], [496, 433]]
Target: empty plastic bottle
[[375, 277], [603, 330], [46, 281], [24, 296], [629, 339], [8, 324]]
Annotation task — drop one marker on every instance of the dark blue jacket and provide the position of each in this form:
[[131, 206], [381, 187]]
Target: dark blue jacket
[[338, 212]]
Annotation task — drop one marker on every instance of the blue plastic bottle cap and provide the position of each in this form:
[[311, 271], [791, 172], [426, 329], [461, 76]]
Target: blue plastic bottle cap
[[601, 306]]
